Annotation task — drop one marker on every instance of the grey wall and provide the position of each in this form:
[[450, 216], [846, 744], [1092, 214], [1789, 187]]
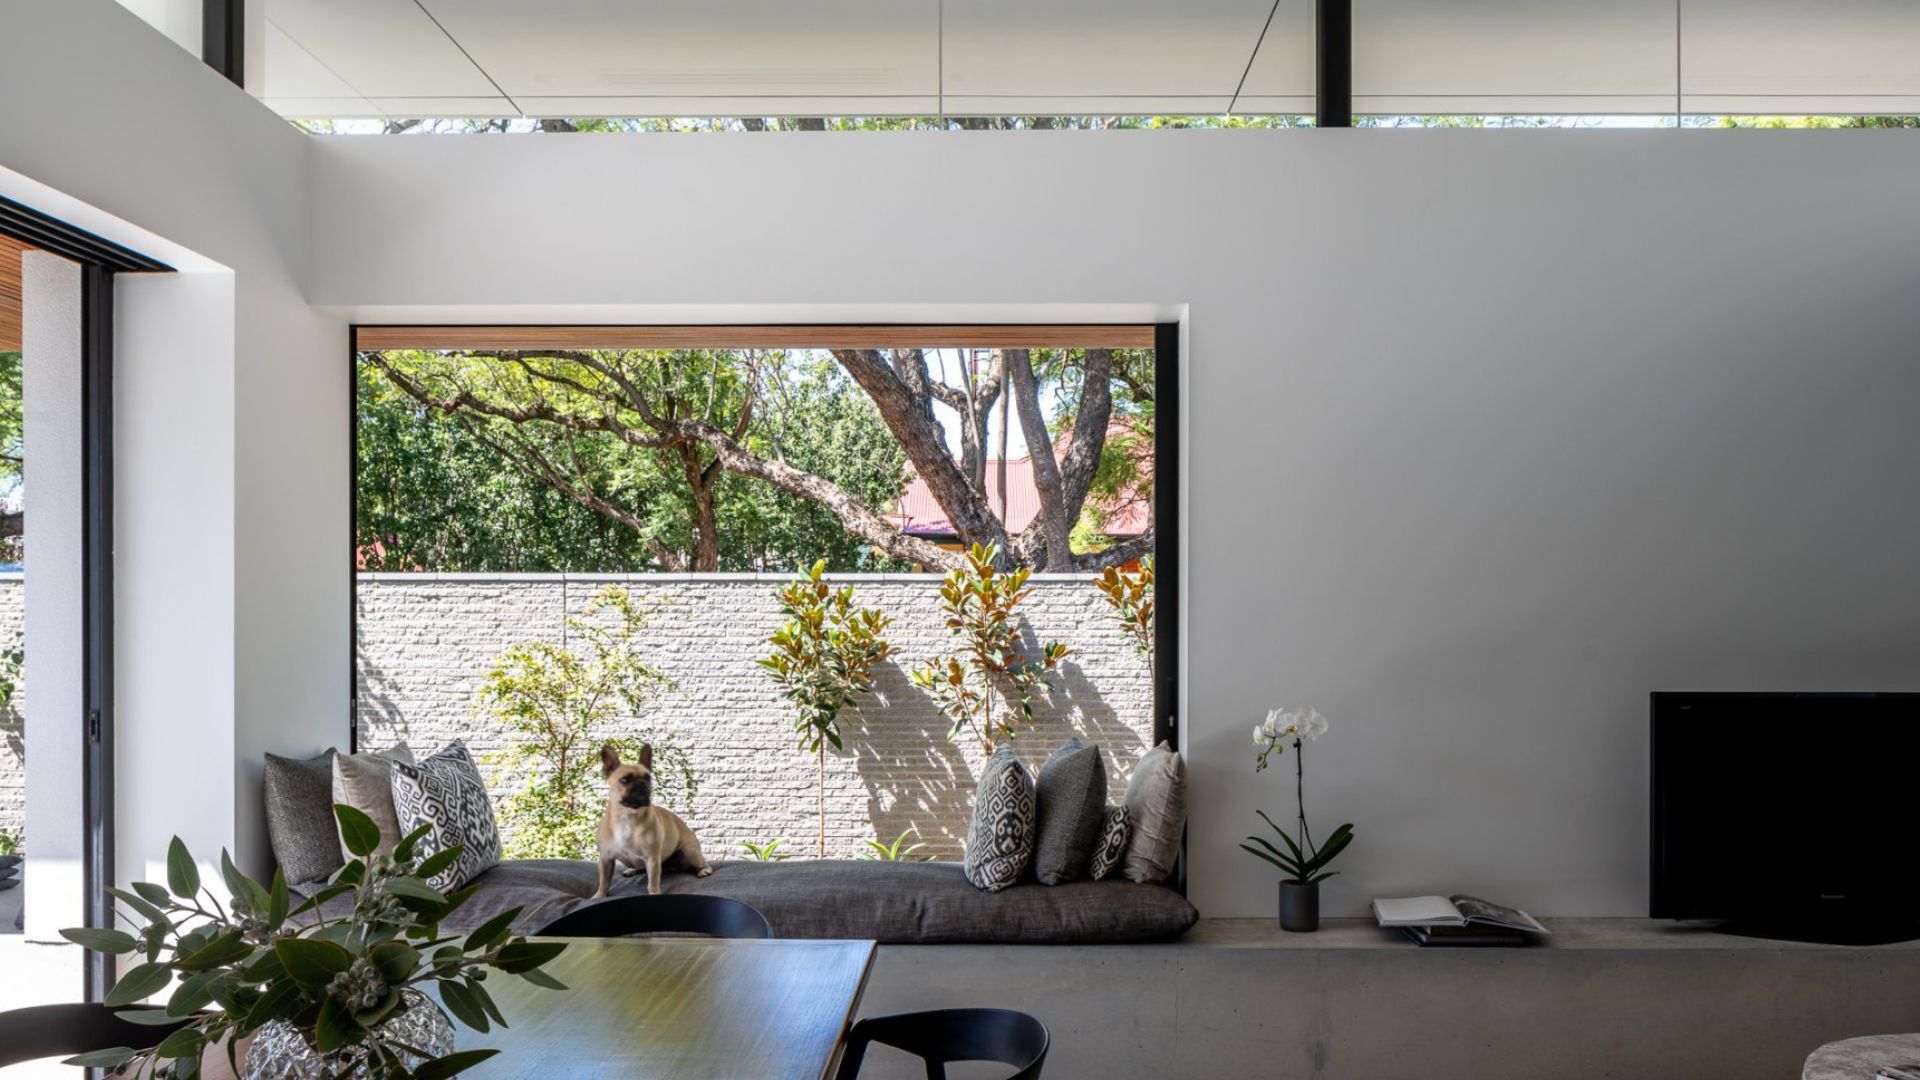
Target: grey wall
[[1489, 433]]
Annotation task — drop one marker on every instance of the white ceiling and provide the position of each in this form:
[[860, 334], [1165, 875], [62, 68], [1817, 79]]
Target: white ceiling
[[483, 58]]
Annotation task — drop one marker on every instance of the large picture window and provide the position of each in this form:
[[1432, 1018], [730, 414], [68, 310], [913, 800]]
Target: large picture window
[[823, 571]]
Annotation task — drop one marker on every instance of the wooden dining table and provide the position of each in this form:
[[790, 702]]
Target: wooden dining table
[[678, 1009]]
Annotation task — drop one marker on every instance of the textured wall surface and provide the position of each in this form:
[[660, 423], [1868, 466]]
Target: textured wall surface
[[425, 641], [13, 729]]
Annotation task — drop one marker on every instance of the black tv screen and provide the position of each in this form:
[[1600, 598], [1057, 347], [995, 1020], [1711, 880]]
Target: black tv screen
[[1786, 809]]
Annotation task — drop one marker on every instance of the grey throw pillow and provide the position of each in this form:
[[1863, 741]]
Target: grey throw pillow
[[300, 824], [1000, 838], [446, 792], [1111, 845], [1156, 803], [365, 782], [1070, 794]]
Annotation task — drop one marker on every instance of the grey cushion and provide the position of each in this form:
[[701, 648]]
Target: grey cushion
[[365, 782], [1156, 805], [1000, 837], [300, 824], [446, 792], [1111, 845], [892, 903], [1070, 796]]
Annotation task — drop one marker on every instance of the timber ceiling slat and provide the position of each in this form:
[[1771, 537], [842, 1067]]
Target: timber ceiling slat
[[837, 336], [9, 293]]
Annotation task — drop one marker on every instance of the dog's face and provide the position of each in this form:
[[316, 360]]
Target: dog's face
[[630, 785]]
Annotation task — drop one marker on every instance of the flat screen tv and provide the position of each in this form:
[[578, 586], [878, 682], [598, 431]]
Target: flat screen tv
[[1788, 815]]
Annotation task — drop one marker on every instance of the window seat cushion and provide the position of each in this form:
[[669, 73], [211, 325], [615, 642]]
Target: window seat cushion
[[905, 903]]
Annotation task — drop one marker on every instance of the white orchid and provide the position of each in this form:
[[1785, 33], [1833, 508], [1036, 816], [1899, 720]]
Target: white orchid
[[1281, 724]]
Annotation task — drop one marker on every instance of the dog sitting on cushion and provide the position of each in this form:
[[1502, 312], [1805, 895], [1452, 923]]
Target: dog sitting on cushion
[[636, 832]]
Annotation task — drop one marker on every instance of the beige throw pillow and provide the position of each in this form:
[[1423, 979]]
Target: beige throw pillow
[[1156, 803], [365, 782]]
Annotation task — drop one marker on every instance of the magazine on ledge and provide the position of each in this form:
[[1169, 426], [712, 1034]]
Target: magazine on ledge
[[1431, 911]]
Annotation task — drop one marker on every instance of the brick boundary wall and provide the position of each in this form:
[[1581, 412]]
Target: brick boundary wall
[[425, 641], [13, 762]]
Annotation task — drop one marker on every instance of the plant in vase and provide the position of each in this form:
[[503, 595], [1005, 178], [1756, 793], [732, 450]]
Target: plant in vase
[[321, 997], [1303, 862]]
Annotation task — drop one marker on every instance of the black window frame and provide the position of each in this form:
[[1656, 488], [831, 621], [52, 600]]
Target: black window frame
[[1166, 521]]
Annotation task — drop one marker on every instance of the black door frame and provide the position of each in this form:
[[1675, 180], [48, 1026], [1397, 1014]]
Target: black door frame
[[100, 259]]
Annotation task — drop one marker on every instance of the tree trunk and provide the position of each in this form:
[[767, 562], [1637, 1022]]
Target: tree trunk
[[1054, 550], [702, 477], [822, 751]]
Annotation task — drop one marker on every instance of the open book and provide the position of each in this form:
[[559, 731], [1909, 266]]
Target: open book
[[1453, 911]]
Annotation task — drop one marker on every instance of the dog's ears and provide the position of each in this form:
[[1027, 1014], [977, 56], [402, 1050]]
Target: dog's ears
[[646, 756], [609, 759]]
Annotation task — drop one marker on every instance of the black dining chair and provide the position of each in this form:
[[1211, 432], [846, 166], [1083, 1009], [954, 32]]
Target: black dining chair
[[622, 916], [948, 1035], [44, 1031]]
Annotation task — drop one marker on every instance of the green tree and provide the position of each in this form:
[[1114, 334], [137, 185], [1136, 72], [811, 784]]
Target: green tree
[[988, 658], [706, 415], [593, 487], [823, 657], [561, 704]]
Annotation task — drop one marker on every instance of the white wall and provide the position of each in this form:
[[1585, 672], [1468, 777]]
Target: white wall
[[1490, 433], [232, 395], [56, 743]]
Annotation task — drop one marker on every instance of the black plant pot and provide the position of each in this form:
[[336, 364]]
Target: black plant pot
[[1299, 907], [8, 862]]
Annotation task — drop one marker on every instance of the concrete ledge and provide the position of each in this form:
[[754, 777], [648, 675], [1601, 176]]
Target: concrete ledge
[[1612, 998]]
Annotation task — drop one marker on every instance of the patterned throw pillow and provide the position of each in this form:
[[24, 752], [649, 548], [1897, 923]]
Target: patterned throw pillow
[[1111, 847], [1069, 796], [1000, 838], [446, 791]]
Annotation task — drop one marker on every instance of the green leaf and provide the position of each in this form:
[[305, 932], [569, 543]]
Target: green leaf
[[113, 942], [434, 864], [184, 1043], [228, 948], [415, 889], [146, 909], [274, 1003], [194, 993], [183, 877], [357, 830], [154, 894], [240, 886], [148, 1017], [395, 960], [333, 1027], [1249, 848], [521, 956], [486, 1000], [111, 1058], [492, 932], [279, 899], [403, 850], [139, 983], [462, 1005], [451, 1065], [312, 962], [541, 978]]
